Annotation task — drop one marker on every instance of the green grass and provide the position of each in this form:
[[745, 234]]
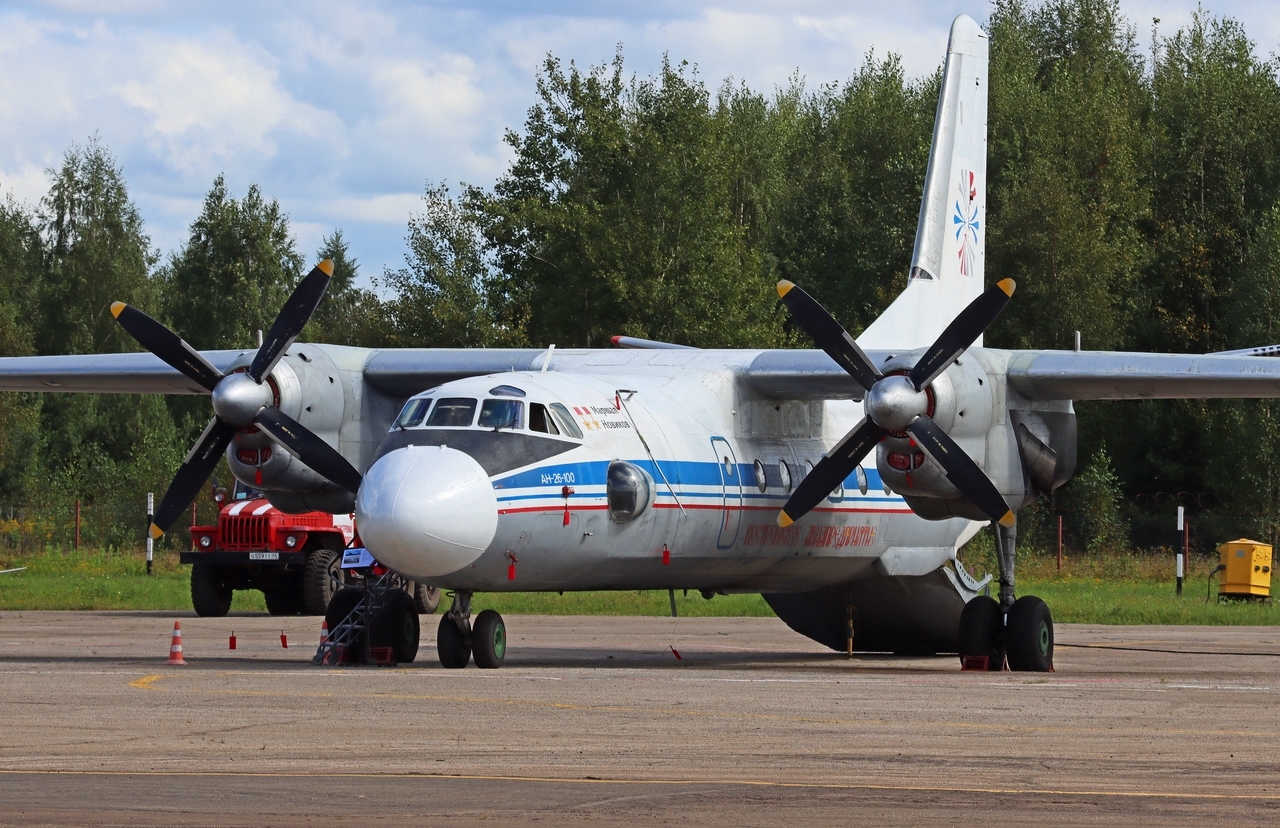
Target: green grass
[[1114, 589]]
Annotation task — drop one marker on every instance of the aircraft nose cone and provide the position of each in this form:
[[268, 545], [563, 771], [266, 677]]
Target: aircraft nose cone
[[426, 511]]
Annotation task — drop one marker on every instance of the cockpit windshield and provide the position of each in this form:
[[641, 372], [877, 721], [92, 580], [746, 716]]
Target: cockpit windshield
[[413, 412], [453, 412], [498, 414], [243, 492]]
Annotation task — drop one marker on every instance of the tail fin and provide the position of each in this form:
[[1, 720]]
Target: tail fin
[[946, 266]]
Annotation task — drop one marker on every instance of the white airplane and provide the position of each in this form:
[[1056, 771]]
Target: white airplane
[[653, 466]]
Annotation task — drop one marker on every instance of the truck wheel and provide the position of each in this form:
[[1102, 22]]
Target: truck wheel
[[321, 580], [396, 626], [284, 601], [427, 598], [210, 596]]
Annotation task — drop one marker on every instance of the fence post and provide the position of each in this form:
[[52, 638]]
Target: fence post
[[151, 508], [77, 542], [193, 523], [1181, 553], [1059, 543]]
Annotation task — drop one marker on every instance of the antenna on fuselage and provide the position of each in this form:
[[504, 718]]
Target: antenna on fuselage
[[547, 359], [622, 404]]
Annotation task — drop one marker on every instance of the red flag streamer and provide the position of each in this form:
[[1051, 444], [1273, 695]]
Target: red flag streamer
[[666, 555], [676, 653], [231, 645], [284, 641], [511, 567]]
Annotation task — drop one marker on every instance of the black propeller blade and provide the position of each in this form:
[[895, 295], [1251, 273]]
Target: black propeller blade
[[305, 445], [291, 319], [166, 344], [961, 333], [828, 334], [831, 471], [895, 404], [960, 469], [292, 435], [192, 474]]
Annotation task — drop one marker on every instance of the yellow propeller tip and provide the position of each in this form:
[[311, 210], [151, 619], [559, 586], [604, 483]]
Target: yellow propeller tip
[[326, 266], [1008, 520], [1007, 285], [784, 520], [117, 308], [155, 532], [784, 287]]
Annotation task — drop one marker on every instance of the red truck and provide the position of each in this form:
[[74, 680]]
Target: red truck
[[294, 559]]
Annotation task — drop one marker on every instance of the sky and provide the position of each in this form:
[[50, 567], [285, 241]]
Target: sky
[[344, 111]]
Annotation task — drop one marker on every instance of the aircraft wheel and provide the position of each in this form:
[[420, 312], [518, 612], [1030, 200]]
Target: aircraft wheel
[[453, 649], [1029, 635], [210, 596], [321, 580], [396, 626], [427, 598], [283, 601], [489, 640], [980, 631], [343, 602]]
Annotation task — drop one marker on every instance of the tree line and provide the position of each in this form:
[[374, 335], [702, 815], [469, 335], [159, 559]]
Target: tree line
[[1135, 197]]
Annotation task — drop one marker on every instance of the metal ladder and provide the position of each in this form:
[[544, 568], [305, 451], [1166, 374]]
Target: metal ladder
[[336, 648]]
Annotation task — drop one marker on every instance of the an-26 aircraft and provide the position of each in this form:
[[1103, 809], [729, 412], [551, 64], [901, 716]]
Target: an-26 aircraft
[[837, 482]]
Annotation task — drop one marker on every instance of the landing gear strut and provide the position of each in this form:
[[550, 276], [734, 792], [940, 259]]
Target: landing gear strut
[[1017, 629]]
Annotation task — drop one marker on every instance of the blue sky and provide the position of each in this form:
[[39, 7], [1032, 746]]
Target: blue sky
[[343, 110]]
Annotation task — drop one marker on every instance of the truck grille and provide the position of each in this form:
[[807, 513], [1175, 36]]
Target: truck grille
[[244, 533]]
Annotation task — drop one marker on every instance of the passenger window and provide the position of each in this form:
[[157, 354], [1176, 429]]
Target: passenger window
[[497, 414], [453, 411], [540, 420], [568, 425], [413, 412]]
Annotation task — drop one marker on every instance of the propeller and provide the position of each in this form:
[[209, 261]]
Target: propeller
[[240, 399], [896, 404]]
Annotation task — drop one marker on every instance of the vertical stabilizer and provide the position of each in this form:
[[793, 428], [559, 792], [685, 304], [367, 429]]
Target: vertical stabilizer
[[947, 263]]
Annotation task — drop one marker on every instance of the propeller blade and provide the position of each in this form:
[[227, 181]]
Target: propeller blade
[[166, 344], [831, 471], [293, 316], [828, 334], [301, 442], [961, 333], [192, 474], [960, 469]]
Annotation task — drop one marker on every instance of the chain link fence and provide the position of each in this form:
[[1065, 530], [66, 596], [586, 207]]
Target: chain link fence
[[119, 525]]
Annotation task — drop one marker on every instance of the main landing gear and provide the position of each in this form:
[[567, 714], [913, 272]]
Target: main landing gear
[[1017, 629], [459, 641]]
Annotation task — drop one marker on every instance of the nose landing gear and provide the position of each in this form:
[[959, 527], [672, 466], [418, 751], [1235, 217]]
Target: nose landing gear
[[1017, 629], [458, 641]]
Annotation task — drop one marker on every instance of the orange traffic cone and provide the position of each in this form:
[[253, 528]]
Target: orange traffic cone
[[175, 646], [324, 631]]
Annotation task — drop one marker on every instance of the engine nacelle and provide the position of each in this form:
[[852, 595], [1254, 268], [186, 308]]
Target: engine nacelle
[[1026, 448], [308, 387]]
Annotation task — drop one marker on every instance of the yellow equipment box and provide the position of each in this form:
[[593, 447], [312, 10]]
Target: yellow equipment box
[[1246, 568]]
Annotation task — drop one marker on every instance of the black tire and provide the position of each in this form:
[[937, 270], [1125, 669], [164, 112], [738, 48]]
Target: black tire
[[427, 598], [1028, 636], [321, 580], [344, 601], [489, 640], [453, 649], [210, 594], [396, 626], [980, 632]]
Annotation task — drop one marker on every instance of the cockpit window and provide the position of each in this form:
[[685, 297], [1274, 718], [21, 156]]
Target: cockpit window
[[568, 425], [497, 414], [541, 420], [413, 412], [453, 411]]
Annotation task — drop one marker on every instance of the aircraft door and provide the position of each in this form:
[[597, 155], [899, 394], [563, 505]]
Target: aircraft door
[[731, 489]]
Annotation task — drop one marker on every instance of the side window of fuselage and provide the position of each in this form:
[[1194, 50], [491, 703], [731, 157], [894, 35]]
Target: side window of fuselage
[[452, 411], [568, 425], [541, 420]]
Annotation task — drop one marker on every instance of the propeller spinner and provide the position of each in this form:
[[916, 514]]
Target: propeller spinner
[[241, 399], [896, 404]]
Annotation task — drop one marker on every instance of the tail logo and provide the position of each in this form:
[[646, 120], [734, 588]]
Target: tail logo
[[966, 218]]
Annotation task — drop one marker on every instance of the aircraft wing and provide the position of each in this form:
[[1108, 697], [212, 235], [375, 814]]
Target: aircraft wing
[[1048, 375], [140, 373]]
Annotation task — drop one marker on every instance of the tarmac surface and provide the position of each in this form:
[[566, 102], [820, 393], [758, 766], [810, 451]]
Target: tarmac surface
[[594, 720]]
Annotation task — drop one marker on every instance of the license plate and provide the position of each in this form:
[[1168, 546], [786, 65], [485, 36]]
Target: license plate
[[264, 556]]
